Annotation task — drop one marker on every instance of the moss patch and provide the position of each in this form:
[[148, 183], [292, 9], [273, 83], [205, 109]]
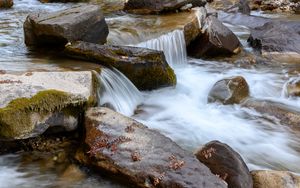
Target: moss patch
[[15, 118]]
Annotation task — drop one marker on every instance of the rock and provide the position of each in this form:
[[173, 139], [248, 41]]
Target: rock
[[243, 19], [222, 160], [142, 28], [6, 3], [140, 156], [147, 69], [32, 103], [216, 40], [61, 1], [279, 5], [269, 39], [154, 6], [232, 6], [231, 90], [71, 174], [287, 115], [84, 23], [292, 88], [274, 179]]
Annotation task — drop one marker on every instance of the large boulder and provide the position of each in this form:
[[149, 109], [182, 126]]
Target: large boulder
[[274, 179], [32, 103], [286, 115], [278, 5], [147, 69], [216, 40], [6, 3], [154, 6], [222, 160], [277, 39], [292, 88], [84, 23], [142, 157], [231, 90]]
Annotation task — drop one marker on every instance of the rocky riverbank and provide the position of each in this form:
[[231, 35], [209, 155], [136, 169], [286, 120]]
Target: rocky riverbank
[[56, 117]]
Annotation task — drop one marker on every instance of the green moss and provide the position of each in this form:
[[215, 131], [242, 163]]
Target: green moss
[[15, 118]]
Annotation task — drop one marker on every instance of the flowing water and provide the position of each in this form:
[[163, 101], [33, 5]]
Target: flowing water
[[181, 113]]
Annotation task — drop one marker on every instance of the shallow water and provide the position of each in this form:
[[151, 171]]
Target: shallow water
[[180, 112]]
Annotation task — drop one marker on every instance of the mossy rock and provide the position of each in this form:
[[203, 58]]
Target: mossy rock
[[146, 69], [27, 117]]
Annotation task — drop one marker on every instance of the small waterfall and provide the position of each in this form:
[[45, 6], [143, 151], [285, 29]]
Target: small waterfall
[[117, 92], [172, 44]]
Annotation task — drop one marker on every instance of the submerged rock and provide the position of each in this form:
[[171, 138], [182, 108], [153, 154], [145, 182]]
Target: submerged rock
[[292, 88], [154, 6], [222, 160], [229, 91], [287, 115], [277, 39], [274, 179], [140, 156], [146, 69], [84, 23], [6, 3], [32, 103], [216, 40]]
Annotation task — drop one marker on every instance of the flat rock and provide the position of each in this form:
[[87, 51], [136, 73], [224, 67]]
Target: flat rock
[[222, 160], [278, 38], [287, 115], [274, 179], [154, 6], [146, 69], [141, 156], [84, 23], [216, 40], [35, 101]]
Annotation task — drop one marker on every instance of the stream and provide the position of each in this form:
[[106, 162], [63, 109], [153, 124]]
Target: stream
[[181, 113]]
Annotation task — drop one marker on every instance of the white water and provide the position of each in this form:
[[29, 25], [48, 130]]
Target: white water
[[184, 115], [118, 92], [172, 44]]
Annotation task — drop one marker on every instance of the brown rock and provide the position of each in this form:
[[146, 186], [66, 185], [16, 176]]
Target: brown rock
[[293, 88], [141, 156], [274, 179], [147, 69], [229, 91], [6, 3], [226, 163]]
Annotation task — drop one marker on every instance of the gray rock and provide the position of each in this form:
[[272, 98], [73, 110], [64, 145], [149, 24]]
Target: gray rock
[[216, 40], [142, 157], [229, 91], [147, 69], [84, 23], [31, 103], [222, 160], [277, 38]]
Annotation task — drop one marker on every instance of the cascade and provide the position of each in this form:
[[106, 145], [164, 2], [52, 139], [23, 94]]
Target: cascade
[[117, 92], [172, 44]]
